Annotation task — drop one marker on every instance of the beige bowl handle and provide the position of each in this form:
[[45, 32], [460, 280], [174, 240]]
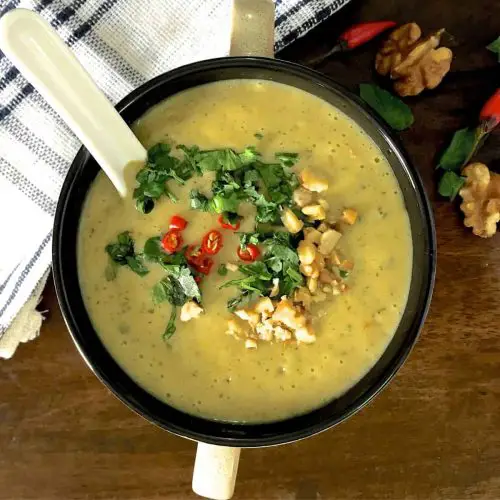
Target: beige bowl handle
[[252, 32], [215, 467], [215, 471]]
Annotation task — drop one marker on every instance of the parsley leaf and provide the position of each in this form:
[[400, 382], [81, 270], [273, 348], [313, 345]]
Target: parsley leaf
[[392, 109], [122, 252]]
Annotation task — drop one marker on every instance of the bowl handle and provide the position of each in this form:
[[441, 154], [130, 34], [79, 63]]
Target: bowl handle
[[215, 470], [252, 32]]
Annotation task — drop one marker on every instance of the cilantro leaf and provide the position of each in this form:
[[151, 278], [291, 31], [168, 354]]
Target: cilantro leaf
[[222, 270], [392, 109], [170, 330], [287, 159], [198, 201], [122, 252], [450, 184], [495, 47]]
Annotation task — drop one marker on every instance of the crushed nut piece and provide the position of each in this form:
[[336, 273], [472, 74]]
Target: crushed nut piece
[[481, 199], [251, 344], [416, 64], [231, 267], [349, 216], [312, 235], [315, 212], [190, 310], [306, 252], [329, 240], [305, 335], [313, 182], [276, 287], [302, 197], [292, 223]]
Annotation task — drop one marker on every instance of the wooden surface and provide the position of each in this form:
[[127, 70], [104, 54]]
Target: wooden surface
[[434, 433]]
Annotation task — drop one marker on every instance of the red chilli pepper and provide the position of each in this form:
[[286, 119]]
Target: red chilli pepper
[[490, 112], [204, 265], [172, 241], [353, 37], [250, 253], [198, 260], [178, 222], [212, 242], [227, 225], [358, 34]]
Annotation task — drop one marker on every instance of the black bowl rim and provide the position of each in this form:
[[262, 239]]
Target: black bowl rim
[[391, 369]]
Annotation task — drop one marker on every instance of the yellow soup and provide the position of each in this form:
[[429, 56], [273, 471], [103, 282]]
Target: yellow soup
[[200, 369]]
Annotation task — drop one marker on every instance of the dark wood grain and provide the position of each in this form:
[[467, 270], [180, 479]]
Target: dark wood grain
[[434, 433]]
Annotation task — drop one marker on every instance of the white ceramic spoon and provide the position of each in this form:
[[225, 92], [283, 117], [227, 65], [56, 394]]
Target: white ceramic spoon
[[48, 64]]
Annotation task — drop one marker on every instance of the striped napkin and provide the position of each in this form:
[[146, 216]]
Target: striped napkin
[[122, 44]]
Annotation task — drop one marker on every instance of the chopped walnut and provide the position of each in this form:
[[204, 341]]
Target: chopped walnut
[[415, 63], [481, 199]]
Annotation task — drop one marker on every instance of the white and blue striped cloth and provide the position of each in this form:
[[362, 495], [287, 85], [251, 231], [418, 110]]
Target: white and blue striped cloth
[[122, 43]]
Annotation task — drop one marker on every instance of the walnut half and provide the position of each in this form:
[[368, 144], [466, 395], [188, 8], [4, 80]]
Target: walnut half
[[414, 63], [481, 199]]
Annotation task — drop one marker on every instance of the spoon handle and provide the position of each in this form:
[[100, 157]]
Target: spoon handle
[[50, 66]]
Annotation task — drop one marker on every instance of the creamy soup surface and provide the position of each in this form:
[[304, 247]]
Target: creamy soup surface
[[200, 369]]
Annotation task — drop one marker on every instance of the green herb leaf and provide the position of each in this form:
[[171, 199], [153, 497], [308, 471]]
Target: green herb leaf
[[122, 253], [246, 238], [198, 201], [111, 270], [135, 263], [170, 330], [287, 159], [152, 249], [222, 270], [450, 184], [461, 148], [343, 273], [495, 47], [249, 155], [392, 109]]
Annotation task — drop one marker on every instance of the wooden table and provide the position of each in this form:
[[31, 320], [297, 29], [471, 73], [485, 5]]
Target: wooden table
[[434, 433]]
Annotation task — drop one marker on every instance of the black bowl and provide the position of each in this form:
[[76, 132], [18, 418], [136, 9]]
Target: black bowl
[[73, 193]]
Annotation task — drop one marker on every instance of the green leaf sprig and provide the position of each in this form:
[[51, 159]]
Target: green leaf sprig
[[122, 253], [464, 144], [280, 261], [392, 109]]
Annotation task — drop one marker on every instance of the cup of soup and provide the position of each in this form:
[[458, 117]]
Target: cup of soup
[[271, 267]]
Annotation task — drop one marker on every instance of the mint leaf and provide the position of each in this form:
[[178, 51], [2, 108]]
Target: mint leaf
[[392, 109], [450, 184], [198, 201], [461, 148], [495, 47]]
